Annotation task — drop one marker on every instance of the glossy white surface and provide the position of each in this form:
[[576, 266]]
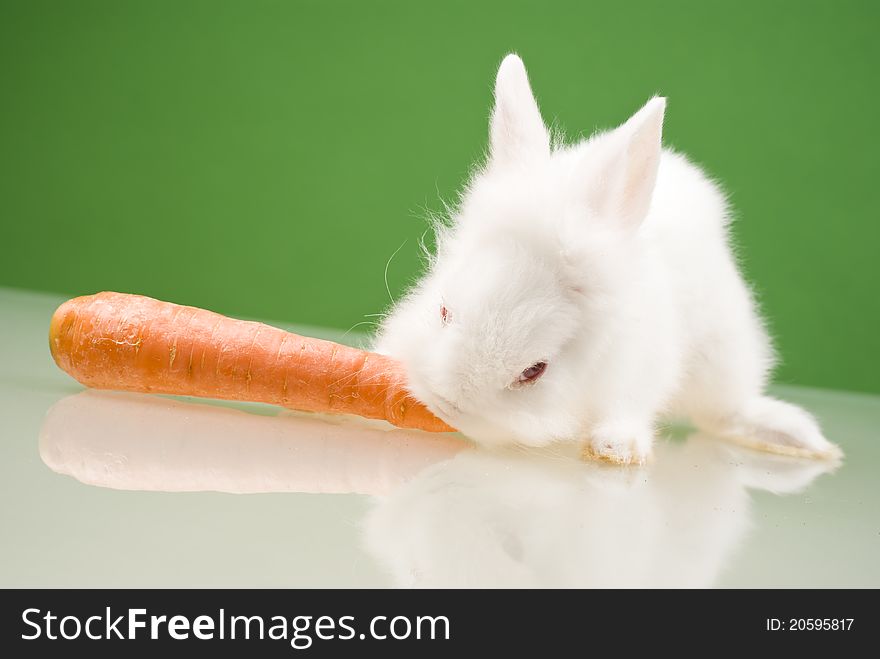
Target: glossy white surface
[[108, 489]]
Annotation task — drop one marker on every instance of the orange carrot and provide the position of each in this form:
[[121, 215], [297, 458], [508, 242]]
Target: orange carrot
[[136, 343]]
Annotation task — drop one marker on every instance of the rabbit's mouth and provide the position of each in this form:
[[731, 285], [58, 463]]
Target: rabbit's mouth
[[447, 408]]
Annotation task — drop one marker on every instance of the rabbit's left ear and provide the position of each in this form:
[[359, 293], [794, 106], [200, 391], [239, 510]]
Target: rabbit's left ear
[[621, 174], [517, 133]]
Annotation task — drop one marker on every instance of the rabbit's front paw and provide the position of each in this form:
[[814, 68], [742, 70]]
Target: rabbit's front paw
[[620, 443]]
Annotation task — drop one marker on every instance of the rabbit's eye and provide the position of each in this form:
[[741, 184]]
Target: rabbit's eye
[[531, 374], [444, 315]]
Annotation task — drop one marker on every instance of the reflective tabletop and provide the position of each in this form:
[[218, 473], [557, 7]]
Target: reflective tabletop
[[126, 490]]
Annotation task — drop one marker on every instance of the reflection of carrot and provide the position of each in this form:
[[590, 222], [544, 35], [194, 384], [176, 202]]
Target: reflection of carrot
[[136, 343], [142, 442]]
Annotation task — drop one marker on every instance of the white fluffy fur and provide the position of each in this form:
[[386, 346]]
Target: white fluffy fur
[[608, 259]]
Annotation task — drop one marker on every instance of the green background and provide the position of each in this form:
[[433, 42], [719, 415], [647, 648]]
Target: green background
[[265, 159]]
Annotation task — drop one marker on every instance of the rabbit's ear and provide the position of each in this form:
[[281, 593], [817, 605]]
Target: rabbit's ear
[[621, 173], [516, 132]]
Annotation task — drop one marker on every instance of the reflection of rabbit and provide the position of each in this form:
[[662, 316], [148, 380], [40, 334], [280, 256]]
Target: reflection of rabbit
[[448, 515], [486, 519], [581, 291]]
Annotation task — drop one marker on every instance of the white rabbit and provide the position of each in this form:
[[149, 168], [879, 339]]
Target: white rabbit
[[581, 292]]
